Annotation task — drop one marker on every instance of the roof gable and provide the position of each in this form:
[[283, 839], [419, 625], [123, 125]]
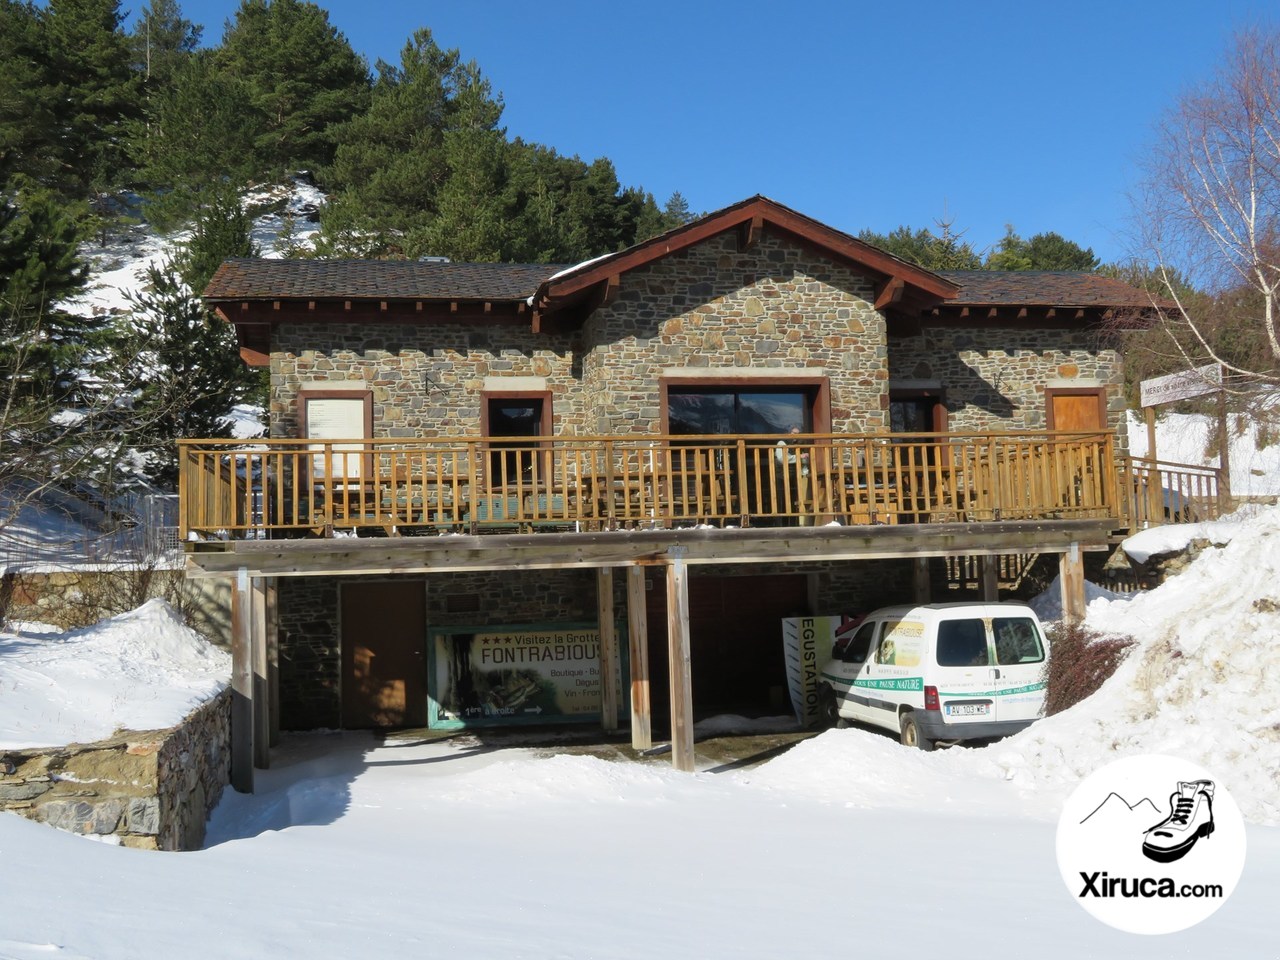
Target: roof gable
[[587, 284]]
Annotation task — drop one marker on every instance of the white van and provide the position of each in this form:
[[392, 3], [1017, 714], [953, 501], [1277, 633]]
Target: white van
[[944, 671]]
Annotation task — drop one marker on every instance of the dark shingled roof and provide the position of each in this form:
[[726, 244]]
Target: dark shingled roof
[[1052, 288], [250, 279]]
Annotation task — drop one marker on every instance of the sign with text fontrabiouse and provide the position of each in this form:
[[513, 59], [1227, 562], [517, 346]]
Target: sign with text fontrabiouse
[[512, 675], [1186, 385]]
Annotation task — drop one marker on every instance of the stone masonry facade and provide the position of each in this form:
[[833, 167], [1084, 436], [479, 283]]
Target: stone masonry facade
[[712, 308], [151, 790], [995, 379]]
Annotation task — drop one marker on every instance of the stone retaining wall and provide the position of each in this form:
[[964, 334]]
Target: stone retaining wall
[[152, 790]]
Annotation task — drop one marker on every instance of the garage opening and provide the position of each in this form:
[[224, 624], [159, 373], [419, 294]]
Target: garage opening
[[735, 626]]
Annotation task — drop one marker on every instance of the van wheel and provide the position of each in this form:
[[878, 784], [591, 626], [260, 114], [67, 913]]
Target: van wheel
[[829, 709], [911, 735]]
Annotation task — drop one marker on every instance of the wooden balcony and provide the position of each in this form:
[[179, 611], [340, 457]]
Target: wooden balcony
[[300, 488]]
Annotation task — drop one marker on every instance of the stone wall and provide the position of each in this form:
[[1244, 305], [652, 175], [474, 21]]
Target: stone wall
[[714, 309], [152, 790], [426, 378], [995, 378], [80, 598]]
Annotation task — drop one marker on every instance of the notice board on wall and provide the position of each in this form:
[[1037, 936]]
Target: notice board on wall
[[340, 417]]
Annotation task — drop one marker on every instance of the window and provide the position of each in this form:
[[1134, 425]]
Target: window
[[855, 649], [1017, 641], [714, 410], [917, 411], [962, 643], [507, 418]]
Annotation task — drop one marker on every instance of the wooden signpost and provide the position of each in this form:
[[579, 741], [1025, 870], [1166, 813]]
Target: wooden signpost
[[1186, 385]]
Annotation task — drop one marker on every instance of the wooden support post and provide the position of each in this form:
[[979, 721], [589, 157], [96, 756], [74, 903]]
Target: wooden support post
[[990, 578], [609, 666], [1071, 569], [261, 697], [678, 659], [273, 662], [1154, 493], [1224, 455], [242, 684], [638, 638], [921, 590]]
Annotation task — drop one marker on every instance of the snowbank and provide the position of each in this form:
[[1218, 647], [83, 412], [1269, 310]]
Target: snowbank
[[142, 670], [1174, 537], [1198, 685]]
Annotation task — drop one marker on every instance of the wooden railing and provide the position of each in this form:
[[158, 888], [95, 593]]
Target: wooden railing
[[1156, 492], [296, 487]]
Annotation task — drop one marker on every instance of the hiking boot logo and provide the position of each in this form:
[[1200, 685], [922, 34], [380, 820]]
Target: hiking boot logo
[[1190, 818]]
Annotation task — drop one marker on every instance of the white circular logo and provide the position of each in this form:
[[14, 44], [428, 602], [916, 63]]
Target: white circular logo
[[1151, 844]]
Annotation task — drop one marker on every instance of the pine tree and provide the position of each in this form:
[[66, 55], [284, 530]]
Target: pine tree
[[96, 90], [184, 359], [46, 399], [302, 77], [28, 104], [469, 221], [162, 41], [390, 162], [1044, 251], [194, 141]]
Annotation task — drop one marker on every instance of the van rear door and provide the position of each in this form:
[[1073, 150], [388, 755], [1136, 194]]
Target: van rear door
[[1019, 648], [964, 674]]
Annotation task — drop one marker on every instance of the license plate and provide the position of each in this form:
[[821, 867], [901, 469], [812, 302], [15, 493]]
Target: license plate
[[968, 709]]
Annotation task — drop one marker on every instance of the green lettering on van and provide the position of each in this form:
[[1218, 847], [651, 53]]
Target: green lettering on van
[[895, 683]]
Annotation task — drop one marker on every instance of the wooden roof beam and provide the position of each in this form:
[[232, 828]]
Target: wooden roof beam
[[752, 231], [890, 293]]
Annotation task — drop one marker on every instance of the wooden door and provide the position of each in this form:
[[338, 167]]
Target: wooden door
[[1076, 409], [384, 667]]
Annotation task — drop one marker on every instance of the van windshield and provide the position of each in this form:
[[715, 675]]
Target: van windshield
[[1017, 640], [962, 643]]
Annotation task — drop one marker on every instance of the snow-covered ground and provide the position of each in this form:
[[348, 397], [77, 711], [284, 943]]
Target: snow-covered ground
[[847, 844], [142, 670]]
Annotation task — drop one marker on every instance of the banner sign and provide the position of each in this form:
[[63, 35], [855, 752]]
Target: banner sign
[[512, 675], [1181, 386], [806, 646]]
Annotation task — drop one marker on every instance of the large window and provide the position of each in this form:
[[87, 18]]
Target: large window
[[719, 409]]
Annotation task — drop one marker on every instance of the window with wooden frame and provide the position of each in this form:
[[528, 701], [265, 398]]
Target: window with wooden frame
[[510, 420], [917, 410], [344, 419]]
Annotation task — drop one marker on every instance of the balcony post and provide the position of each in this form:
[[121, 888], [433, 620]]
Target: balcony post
[[638, 638], [242, 683], [609, 666], [682, 757], [1071, 577]]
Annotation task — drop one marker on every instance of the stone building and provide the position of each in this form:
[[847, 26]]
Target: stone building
[[756, 415]]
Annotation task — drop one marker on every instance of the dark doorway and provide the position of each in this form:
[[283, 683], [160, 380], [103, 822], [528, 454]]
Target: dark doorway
[[735, 626], [384, 629]]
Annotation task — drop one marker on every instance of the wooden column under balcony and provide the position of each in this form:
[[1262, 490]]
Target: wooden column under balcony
[[638, 640]]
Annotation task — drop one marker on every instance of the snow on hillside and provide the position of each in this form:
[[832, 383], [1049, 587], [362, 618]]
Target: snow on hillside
[[1186, 438], [142, 670]]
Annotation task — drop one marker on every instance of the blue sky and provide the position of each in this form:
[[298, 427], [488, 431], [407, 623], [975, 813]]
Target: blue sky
[[861, 115]]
